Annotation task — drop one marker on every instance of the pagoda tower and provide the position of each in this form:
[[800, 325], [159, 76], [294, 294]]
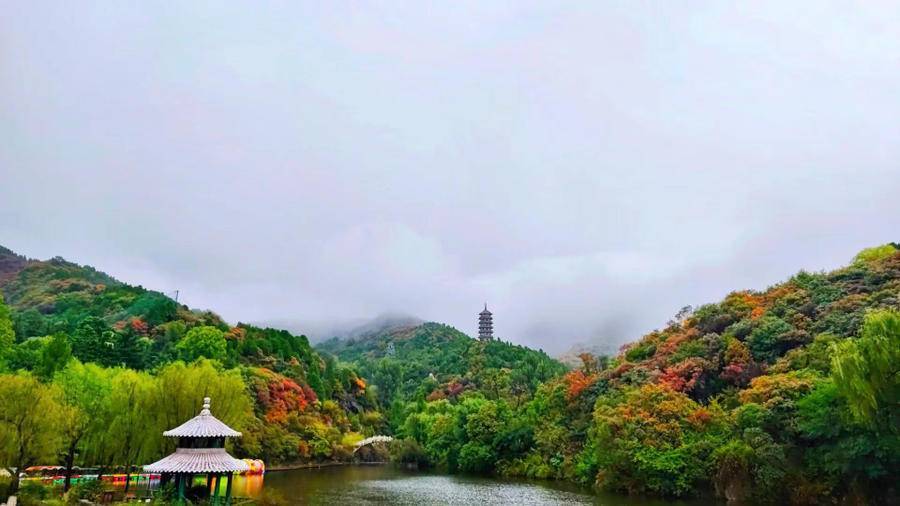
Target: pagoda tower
[[485, 325], [201, 450]]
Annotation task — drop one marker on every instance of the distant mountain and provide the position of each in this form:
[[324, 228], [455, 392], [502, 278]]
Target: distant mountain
[[571, 356], [434, 360], [318, 331]]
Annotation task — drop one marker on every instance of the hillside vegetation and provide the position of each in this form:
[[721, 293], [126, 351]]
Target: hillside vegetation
[[72, 338], [785, 395], [789, 394]]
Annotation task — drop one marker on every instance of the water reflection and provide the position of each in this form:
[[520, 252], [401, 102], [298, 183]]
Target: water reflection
[[245, 486], [388, 485]]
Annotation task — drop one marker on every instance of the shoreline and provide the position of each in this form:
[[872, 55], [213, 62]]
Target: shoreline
[[291, 467]]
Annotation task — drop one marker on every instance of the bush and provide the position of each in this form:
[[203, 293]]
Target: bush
[[476, 458], [33, 494], [89, 490], [408, 451], [640, 352], [5, 482]]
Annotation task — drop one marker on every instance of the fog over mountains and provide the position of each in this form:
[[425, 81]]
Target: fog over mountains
[[347, 329], [587, 170]]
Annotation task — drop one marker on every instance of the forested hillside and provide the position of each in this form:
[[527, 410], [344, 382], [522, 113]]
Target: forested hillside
[[788, 394], [73, 341], [434, 361]]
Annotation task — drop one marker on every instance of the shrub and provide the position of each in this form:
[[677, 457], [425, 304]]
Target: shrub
[[408, 451], [86, 490]]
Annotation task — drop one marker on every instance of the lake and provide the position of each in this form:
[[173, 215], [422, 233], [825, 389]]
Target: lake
[[354, 485]]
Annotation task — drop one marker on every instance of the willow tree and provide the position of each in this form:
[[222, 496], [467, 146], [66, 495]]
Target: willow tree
[[131, 434], [867, 371], [85, 391], [29, 420], [180, 389]]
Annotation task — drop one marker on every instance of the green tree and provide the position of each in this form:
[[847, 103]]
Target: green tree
[[841, 450], [29, 323], [131, 436], [55, 354], [206, 341], [7, 335], [867, 371], [85, 391], [94, 341], [764, 341], [130, 349], [28, 423], [180, 388]]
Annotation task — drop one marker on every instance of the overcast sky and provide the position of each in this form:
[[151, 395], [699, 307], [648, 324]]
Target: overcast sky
[[586, 168]]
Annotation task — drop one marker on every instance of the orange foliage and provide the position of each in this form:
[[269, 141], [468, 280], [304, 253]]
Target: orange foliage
[[303, 449], [235, 334], [757, 312], [671, 344], [280, 396], [700, 417], [436, 395], [139, 326], [360, 383], [577, 381], [683, 376]]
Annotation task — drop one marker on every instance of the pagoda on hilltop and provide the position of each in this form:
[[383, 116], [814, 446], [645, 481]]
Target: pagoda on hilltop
[[485, 325], [201, 450]]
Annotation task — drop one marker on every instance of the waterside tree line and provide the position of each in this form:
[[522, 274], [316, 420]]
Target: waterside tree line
[[786, 395]]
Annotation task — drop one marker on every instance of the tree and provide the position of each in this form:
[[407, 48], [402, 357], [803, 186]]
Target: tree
[[131, 431], [28, 423], [843, 452], [867, 371], [55, 354], [29, 323], [130, 349], [655, 440], [85, 391], [7, 335], [205, 341], [93, 341], [180, 388], [765, 340]]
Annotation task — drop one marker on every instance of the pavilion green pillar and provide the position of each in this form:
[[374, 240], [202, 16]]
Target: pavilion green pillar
[[180, 479], [216, 494], [228, 490]]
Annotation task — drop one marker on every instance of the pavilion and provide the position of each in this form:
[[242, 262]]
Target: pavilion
[[201, 450]]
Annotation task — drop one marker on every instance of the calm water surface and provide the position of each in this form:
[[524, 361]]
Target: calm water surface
[[353, 485]]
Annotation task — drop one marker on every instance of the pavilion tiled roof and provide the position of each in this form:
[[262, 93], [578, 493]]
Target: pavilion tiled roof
[[198, 460], [203, 425]]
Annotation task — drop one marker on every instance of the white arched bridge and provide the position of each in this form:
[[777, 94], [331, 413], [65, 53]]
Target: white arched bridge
[[372, 440]]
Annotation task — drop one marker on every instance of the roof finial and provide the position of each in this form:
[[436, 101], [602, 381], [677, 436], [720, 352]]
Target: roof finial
[[205, 406], [485, 306]]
